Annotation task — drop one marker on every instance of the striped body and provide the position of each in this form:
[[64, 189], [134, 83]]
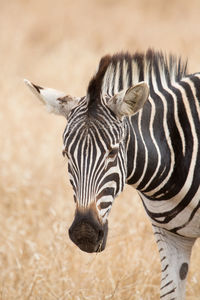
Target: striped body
[[166, 134], [114, 136]]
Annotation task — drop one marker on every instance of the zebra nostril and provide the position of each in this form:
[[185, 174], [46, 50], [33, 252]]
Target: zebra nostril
[[100, 235]]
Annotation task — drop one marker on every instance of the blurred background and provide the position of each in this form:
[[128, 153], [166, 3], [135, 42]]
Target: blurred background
[[59, 44]]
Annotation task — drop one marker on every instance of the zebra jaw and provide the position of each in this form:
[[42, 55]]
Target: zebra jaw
[[56, 101]]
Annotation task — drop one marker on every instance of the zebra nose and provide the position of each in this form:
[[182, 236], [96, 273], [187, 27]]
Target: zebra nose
[[86, 237], [88, 234]]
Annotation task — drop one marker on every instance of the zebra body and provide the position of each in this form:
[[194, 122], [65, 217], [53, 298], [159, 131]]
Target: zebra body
[[170, 189], [114, 136]]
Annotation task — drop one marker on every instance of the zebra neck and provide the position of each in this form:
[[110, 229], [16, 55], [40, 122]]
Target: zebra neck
[[148, 163]]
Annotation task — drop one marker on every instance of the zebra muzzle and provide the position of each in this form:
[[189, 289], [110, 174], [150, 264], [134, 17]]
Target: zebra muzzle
[[88, 233]]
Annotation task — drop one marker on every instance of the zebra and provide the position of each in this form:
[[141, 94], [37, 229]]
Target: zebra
[[139, 125]]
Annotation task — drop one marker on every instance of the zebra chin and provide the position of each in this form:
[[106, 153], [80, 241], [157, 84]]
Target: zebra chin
[[87, 232]]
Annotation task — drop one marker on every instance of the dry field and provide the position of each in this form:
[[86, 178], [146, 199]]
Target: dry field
[[58, 44]]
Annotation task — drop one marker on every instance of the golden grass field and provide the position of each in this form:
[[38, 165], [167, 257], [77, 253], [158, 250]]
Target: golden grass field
[[58, 44]]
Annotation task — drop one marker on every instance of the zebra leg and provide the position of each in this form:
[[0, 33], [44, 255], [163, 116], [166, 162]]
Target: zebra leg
[[175, 253]]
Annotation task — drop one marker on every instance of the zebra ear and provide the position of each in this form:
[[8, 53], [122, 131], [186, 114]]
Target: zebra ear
[[56, 102], [129, 102]]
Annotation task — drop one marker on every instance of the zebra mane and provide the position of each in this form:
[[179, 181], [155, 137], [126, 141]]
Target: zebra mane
[[123, 70]]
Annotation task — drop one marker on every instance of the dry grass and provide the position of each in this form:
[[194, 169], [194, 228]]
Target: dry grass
[[59, 43]]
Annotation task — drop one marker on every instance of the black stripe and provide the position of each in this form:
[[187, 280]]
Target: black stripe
[[166, 284], [104, 205], [170, 292]]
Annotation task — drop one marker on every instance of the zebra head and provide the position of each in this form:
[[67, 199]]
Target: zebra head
[[95, 141]]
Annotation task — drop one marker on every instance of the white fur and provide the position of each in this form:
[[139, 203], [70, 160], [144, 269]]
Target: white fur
[[53, 99]]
